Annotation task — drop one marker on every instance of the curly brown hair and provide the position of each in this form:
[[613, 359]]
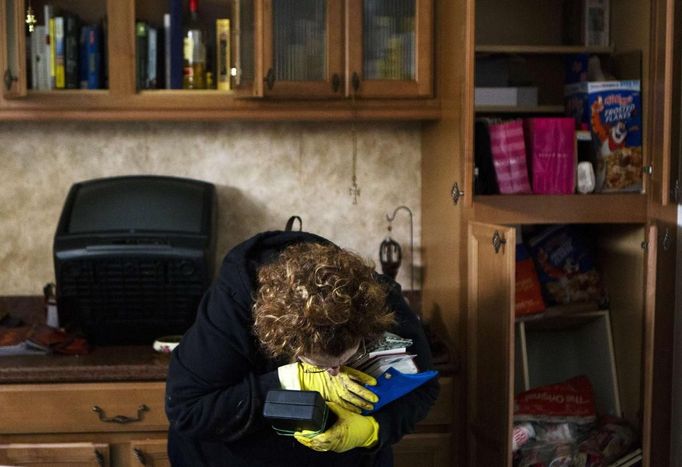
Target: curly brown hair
[[317, 298]]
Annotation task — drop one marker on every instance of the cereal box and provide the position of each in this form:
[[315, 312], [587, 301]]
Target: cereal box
[[612, 111], [565, 266]]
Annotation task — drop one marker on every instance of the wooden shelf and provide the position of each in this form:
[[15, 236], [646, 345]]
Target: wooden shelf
[[541, 49], [606, 208], [540, 109]]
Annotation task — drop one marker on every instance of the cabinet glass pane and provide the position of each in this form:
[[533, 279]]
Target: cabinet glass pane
[[389, 39], [175, 49], [243, 35], [11, 33], [67, 49], [300, 40]]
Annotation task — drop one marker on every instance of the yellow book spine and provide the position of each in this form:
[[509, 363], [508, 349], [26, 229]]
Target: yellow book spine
[[53, 52], [223, 45], [59, 58]]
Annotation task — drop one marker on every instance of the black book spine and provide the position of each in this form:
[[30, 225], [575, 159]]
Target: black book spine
[[71, 37]]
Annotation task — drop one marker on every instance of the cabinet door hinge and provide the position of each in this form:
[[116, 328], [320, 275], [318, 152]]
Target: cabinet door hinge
[[675, 191], [667, 241]]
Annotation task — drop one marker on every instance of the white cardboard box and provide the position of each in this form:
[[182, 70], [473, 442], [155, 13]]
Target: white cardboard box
[[506, 96]]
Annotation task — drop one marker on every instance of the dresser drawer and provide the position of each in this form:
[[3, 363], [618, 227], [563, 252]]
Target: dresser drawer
[[68, 408]]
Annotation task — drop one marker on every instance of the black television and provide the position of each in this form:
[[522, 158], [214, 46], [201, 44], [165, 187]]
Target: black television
[[133, 255]]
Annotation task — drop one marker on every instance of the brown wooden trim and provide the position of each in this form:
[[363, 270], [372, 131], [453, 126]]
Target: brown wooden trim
[[121, 47], [538, 209]]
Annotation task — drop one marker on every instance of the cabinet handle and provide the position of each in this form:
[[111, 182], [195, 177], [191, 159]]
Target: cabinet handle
[[139, 454], [120, 419], [336, 82], [456, 193], [9, 79], [355, 81], [498, 241], [270, 78], [100, 458]]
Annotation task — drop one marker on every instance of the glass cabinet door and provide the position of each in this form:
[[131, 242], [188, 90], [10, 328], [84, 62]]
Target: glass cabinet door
[[65, 51], [390, 48], [303, 48], [14, 40]]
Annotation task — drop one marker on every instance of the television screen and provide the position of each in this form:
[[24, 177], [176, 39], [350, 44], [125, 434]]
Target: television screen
[[132, 204]]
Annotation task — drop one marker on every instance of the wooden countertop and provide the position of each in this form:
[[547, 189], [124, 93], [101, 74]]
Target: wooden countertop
[[116, 363], [103, 364]]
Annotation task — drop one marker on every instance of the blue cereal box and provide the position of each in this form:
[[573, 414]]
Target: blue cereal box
[[612, 111]]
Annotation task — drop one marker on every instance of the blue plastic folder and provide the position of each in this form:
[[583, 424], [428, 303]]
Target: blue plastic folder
[[393, 384]]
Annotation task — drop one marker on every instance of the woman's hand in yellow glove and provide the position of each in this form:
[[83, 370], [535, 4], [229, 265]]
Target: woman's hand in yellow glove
[[351, 430], [346, 389]]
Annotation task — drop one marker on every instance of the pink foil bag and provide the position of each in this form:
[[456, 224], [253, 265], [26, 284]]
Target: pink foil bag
[[508, 149], [552, 154]]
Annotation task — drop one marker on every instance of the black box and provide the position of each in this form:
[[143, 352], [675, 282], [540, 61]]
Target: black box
[[133, 256], [291, 411]]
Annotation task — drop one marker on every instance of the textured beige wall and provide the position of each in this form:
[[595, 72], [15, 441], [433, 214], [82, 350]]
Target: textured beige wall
[[264, 172]]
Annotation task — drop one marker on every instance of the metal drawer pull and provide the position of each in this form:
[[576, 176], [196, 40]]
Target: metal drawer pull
[[100, 458], [120, 419], [139, 454]]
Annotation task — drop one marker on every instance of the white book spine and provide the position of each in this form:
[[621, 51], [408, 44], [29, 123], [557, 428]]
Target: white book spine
[[151, 58], [36, 44], [48, 12]]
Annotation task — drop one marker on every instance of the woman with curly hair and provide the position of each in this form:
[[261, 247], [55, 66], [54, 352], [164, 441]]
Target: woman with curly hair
[[287, 311]]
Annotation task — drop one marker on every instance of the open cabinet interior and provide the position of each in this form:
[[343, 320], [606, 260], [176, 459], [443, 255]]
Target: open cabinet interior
[[602, 341], [589, 323]]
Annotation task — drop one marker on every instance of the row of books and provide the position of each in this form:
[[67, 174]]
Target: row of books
[[160, 55], [64, 53]]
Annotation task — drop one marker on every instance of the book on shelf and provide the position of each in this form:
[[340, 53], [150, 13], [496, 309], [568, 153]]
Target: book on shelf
[[59, 58], [174, 51], [71, 46], [141, 45], [223, 54], [91, 57], [39, 77], [48, 13], [151, 80]]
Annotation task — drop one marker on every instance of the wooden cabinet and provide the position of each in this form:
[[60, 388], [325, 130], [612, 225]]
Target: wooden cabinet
[[124, 424], [149, 453], [286, 54], [55, 454], [96, 424], [360, 48], [468, 239]]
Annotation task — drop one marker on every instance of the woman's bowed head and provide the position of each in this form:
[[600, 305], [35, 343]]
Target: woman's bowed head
[[318, 303]]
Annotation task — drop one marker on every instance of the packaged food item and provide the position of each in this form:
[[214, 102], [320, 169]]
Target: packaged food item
[[528, 294], [569, 401], [565, 267], [509, 157], [612, 110], [552, 153], [521, 434]]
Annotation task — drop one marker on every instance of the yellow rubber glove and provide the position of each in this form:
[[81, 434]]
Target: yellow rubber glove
[[350, 431], [346, 389]]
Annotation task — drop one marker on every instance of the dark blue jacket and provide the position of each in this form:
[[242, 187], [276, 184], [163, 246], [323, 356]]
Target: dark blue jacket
[[218, 377]]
